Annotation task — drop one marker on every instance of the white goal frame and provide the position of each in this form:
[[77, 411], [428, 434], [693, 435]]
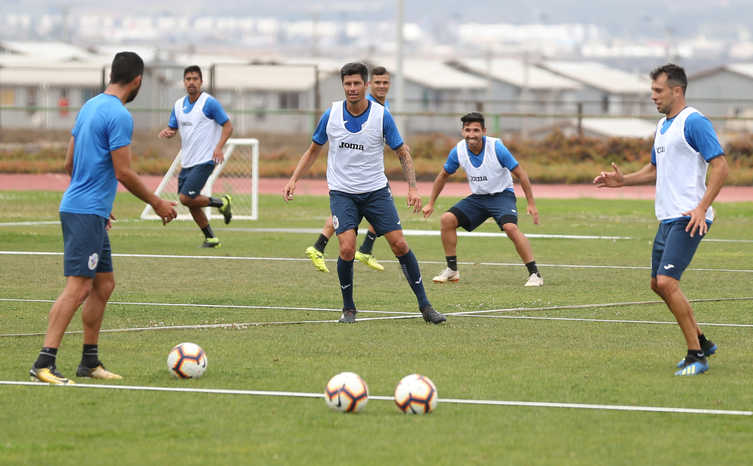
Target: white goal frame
[[149, 214]]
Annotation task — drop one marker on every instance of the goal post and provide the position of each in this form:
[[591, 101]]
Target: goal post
[[237, 175]]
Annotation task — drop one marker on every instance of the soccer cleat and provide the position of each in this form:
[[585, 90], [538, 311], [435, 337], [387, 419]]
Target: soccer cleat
[[211, 243], [369, 260], [48, 375], [709, 348], [317, 258], [430, 315], [348, 316], [535, 280], [226, 208], [698, 366], [98, 372], [447, 275]]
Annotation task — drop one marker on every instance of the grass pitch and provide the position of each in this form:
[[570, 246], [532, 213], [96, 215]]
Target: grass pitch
[[268, 287]]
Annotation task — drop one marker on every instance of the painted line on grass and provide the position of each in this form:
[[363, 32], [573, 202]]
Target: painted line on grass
[[532, 404], [607, 321], [297, 259]]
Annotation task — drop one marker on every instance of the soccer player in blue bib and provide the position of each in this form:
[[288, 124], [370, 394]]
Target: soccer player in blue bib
[[684, 146], [379, 86], [204, 129], [489, 167], [98, 156], [357, 130]]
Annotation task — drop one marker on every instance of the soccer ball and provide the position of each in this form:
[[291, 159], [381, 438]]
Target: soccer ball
[[346, 392], [187, 361], [416, 394]]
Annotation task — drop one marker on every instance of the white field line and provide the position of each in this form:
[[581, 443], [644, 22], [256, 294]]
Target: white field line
[[296, 259], [533, 404], [607, 321]]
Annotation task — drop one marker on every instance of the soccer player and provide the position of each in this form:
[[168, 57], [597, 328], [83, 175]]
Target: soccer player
[[684, 146], [98, 156], [488, 165], [379, 86], [357, 129], [204, 128]]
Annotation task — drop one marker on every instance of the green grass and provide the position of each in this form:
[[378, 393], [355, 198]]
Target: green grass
[[474, 358]]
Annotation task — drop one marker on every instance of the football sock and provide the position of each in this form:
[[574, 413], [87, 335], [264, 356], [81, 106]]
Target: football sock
[[321, 243], [412, 273], [46, 357], [452, 262], [215, 202], [368, 243], [90, 356], [531, 266], [345, 274], [208, 231], [695, 355], [702, 339]]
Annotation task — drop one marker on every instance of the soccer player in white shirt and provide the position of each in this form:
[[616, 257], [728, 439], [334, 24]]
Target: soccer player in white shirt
[[684, 146], [357, 130]]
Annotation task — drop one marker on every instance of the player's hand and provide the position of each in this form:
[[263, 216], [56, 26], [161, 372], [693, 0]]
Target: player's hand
[[108, 225], [428, 210], [165, 210], [697, 221], [167, 133], [533, 212], [218, 156], [288, 191], [414, 200], [613, 179]]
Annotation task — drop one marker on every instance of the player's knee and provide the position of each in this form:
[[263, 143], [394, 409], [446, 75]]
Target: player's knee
[[105, 288], [347, 253], [510, 228], [448, 221], [185, 200], [665, 285], [400, 247]]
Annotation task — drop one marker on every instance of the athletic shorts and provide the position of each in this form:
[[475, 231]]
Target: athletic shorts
[[192, 179], [476, 208], [86, 246], [673, 249], [377, 207]]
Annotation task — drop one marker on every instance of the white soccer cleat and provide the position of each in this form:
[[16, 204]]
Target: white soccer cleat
[[535, 280], [447, 275]]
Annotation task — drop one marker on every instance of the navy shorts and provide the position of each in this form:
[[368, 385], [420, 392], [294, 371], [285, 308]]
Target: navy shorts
[[86, 246], [673, 249], [476, 208], [377, 207], [192, 179]]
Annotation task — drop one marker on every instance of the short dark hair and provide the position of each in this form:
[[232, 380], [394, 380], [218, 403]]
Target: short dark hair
[[354, 68], [675, 75], [126, 66], [473, 117], [193, 69], [379, 71]]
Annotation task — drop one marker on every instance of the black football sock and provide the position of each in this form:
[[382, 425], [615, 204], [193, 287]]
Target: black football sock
[[452, 262], [531, 266], [694, 355], [702, 339], [215, 202], [46, 358], [208, 231], [368, 243], [321, 243], [90, 356]]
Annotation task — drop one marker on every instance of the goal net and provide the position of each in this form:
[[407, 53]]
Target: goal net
[[237, 175]]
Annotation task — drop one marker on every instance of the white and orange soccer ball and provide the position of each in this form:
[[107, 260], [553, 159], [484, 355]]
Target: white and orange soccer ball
[[346, 392], [416, 394], [187, 361]]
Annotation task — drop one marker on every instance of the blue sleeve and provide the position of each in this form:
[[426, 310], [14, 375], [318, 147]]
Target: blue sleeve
[[504, 156], [390, 132], [212, 109], [77, 125], [119, 130], [452, 163], [653, 156], [701, 136], [173, 123], [320, 133]]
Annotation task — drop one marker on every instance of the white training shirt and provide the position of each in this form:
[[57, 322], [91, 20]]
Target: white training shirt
[[680, 171], [490, 177], [199, 134], [355, 163]]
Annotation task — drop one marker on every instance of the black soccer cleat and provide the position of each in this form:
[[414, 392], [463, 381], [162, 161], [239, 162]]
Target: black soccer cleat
[[430, 315], [348, 316]]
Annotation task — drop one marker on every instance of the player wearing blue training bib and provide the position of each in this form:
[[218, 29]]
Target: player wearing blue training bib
[[488, 166], [204, 128], [379, 86], [98, 156], [357, 130], [685, 145]]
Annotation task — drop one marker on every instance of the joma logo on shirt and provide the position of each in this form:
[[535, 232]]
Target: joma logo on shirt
[[186, 123], [476, 179], [660, 150], [348, 145]]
